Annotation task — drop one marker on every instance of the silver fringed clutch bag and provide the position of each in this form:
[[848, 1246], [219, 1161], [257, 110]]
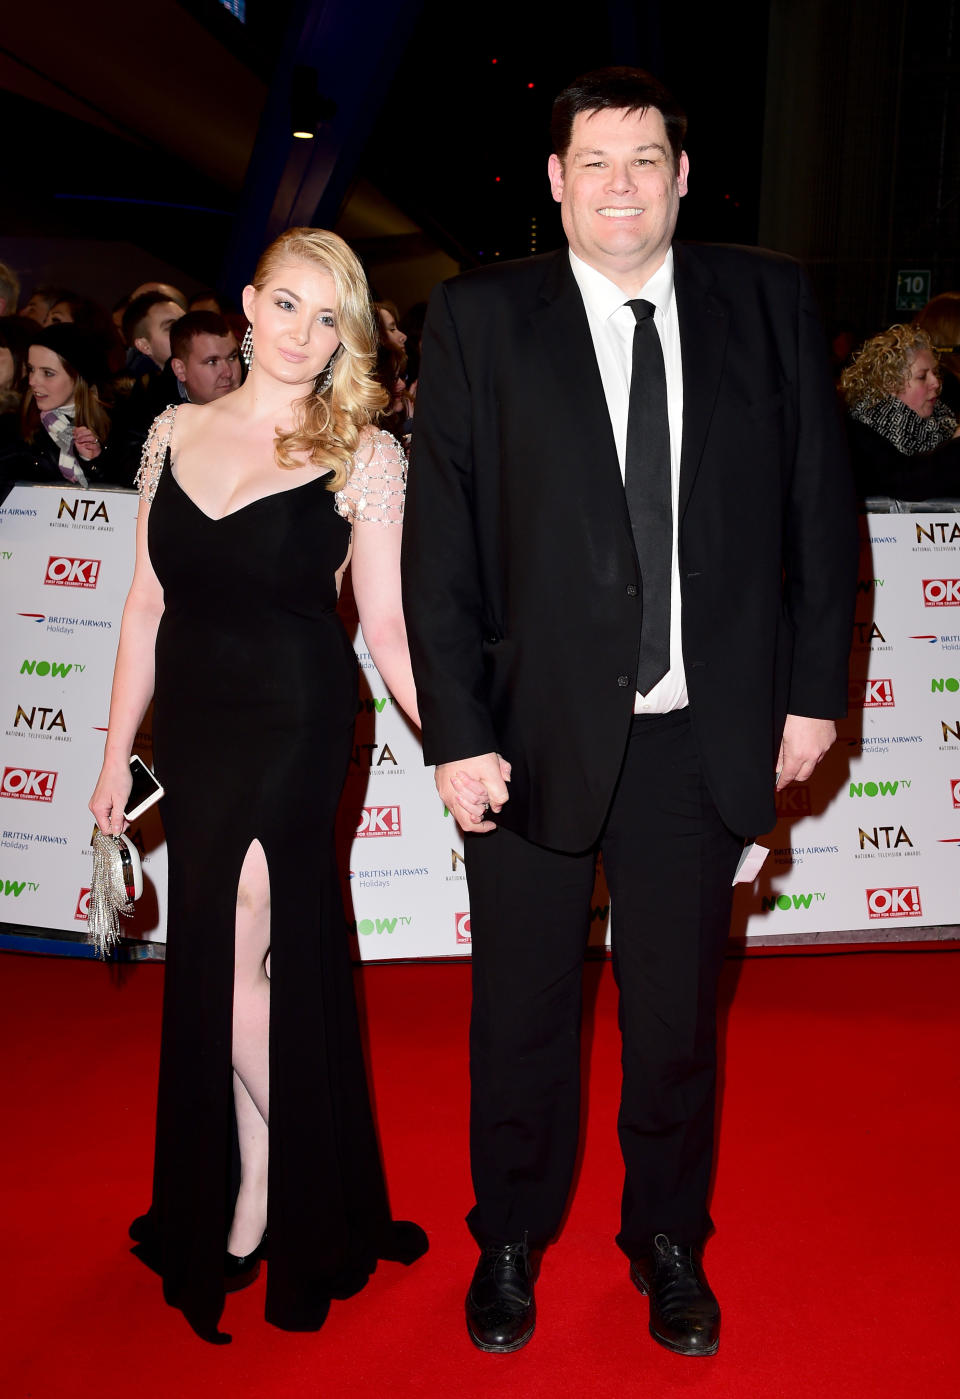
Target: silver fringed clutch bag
[[117, 881]]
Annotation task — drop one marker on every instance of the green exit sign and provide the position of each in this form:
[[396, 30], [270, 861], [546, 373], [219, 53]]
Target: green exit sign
[[913, 289]]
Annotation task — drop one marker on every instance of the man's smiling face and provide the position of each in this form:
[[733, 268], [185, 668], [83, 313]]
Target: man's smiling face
[[619, 192]]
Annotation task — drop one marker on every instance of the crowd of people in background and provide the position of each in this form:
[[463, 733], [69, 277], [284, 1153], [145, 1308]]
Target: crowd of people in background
[[80, 386]]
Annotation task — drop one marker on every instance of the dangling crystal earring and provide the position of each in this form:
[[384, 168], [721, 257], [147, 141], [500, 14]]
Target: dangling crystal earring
[[246, 347], [326, 378]]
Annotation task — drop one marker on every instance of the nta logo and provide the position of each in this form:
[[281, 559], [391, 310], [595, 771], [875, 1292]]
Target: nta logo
[[462, 925], [872, 694], [939, 532], [894, 903], [28, 717], [28, 784], [873, 837], [950, 731], [380, 821], [383, 754], [941, 592], [867, 633], [877, 789], [99, 511], [72, 573]]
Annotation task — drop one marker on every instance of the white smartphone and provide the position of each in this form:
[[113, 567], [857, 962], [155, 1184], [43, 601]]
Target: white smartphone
[[145, 790]]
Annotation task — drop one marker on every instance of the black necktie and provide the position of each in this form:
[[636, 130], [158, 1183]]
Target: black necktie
[[647, 483]]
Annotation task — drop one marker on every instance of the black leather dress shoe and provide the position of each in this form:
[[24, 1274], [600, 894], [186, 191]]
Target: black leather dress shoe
[[501, 1311], [240, 1270], [684, 1314]]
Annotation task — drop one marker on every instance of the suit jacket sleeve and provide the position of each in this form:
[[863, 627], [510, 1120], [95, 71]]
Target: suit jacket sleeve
[[442, 590], [821, 545]]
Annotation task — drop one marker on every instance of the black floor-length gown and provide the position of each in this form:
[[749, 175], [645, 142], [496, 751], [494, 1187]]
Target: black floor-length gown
[[255, 699]]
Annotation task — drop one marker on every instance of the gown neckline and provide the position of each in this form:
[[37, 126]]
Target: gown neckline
[[219, 519]]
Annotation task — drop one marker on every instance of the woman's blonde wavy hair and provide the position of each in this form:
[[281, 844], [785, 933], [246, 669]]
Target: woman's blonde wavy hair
[[327, 425], [881, 367]]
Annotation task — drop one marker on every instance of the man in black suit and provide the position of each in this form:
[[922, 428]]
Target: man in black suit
[[629, 563]]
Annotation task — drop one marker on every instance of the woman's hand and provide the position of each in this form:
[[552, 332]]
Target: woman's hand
[[110, 797], [87, 443], [473, 787]]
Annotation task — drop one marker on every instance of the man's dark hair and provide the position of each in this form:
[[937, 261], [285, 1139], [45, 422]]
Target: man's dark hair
[[135, 316], [626, 89], [194, 323]]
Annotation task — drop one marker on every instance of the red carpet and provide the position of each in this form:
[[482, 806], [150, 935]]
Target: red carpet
[[835, 1201]]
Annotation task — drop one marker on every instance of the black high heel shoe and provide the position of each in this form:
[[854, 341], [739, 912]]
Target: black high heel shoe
[[240, 1270]]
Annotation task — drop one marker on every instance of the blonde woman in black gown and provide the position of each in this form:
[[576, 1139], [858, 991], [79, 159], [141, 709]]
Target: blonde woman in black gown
[[251, 508]]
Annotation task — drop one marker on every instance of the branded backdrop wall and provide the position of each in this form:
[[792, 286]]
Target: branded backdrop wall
[[873, 840]]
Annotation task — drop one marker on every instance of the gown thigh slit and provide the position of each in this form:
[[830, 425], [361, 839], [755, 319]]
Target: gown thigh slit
[[254, 706], [251, 988]]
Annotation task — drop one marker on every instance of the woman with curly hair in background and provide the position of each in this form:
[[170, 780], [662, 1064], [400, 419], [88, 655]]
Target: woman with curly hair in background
[[903, 440]]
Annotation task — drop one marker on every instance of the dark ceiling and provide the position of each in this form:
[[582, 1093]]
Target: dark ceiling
[[463, 136], [150, 136]]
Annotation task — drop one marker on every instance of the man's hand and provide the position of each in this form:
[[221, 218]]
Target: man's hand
[[803, 744], [470, 787]]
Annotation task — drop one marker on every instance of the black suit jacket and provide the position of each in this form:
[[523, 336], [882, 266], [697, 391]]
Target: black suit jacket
[[521, 586]]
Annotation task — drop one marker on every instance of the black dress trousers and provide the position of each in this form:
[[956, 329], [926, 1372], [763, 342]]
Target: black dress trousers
[[669, 862]]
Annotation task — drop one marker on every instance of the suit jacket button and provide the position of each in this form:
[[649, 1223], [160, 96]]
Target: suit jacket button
[[631, 590], [623, 681]]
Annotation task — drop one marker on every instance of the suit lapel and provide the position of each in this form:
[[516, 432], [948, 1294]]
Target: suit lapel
[[704, 325], [560, 321]]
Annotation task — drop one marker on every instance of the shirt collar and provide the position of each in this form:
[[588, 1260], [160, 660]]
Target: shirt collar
[[603, 297]]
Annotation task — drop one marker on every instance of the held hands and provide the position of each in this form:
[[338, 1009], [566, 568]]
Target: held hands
[[87, 444], [470, 787], [804, 743], [110, 797]]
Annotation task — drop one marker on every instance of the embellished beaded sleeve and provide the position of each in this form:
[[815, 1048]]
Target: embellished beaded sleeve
[[377, 483], [153, 454]]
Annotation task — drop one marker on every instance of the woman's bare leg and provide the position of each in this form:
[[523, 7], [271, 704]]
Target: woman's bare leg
[[251, 1049]]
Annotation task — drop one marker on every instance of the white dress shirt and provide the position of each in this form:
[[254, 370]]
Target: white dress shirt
[[612, 325]]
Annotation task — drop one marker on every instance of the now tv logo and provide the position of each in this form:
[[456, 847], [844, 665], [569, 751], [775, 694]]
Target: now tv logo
[[877, 789], [941, 592], [894, 903], [787, 901], [54, 668], [871, 694], [28, 784], [380, 821], [71, 573]]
